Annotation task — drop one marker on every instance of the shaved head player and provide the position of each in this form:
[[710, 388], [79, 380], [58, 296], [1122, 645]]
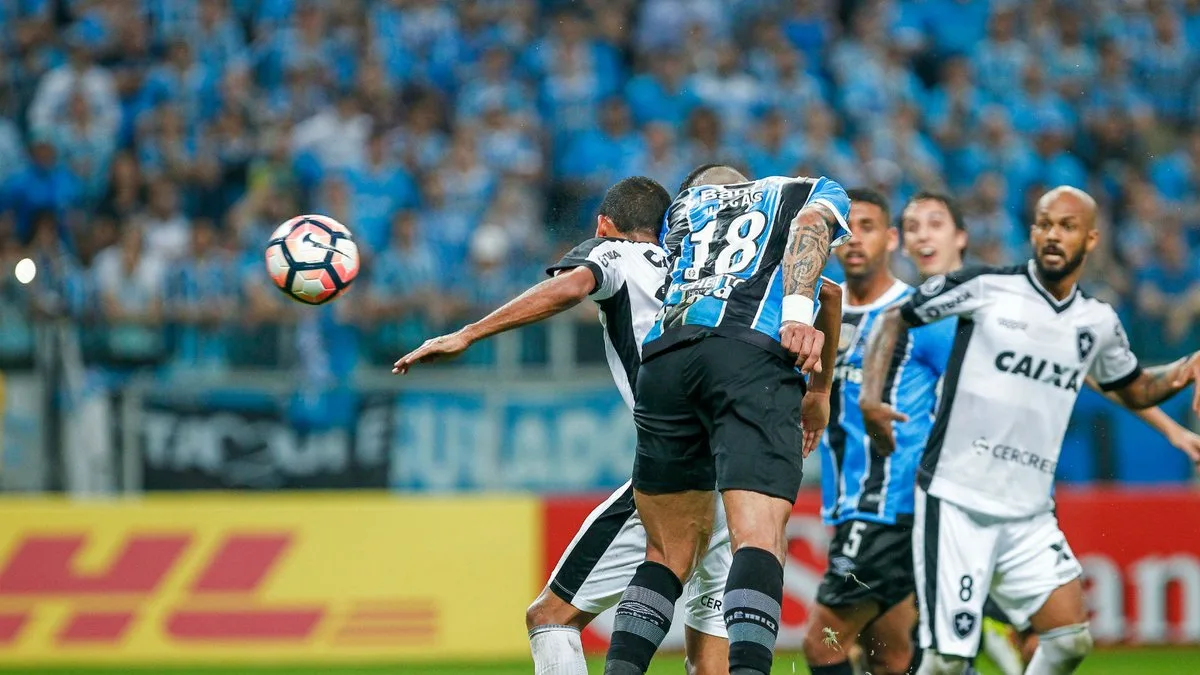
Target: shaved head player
[[1025, 340]]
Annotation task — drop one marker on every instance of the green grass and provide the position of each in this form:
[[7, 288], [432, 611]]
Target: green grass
[[1108, 662]]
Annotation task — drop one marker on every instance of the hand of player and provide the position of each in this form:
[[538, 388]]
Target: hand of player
[[1187, 441], [434, 349], [814, 417], [878, 419], [805, 342], [1190, 372]]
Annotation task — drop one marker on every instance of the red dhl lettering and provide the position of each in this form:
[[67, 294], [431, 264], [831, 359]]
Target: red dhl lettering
[[43, 567], [250, 624], [242, 563]]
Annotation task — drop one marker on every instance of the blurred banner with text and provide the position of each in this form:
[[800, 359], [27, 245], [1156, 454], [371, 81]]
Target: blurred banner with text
[[298, 578]]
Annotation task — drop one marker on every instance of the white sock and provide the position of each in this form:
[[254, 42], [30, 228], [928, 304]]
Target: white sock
[[1061, 650], [557, 650]]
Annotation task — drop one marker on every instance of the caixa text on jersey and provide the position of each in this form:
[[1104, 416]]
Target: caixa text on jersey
[[1042, 370]]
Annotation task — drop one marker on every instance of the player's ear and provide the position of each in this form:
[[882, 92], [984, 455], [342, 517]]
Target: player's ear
[[605, 227], [960, 239], [1093, 238], [893, 241]]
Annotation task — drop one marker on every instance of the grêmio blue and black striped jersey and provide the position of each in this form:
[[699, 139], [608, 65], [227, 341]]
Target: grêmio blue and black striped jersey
[[858, 483], [726, 243]]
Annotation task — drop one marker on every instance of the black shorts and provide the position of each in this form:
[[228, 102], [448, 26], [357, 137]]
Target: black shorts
[[868, 562], [718, 413]]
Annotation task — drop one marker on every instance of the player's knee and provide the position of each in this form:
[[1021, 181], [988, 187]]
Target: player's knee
[[942, 664], [890, 660], [821, 645], [1067, 645], [549, 610]]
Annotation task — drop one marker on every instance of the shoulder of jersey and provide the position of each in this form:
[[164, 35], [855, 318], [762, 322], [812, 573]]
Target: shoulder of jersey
[[1092, 301], [934, 285], [972, 271]]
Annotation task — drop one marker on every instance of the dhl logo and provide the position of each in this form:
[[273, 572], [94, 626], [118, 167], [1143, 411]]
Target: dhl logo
[[221, 602]]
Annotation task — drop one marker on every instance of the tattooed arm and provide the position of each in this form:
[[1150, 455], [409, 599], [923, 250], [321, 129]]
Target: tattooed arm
[[1155, 385], [877, 415], [807, 250], [812, 231]]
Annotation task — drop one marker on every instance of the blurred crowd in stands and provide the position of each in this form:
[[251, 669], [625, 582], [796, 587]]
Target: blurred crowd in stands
[[148, 147]]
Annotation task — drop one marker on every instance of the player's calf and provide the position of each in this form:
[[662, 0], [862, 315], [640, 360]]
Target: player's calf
[[643, 619], [1060, 651], [706, 654], [754, 590]]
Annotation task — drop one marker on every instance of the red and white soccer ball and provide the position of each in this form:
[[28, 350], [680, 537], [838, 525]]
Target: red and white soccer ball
[[312, 258]]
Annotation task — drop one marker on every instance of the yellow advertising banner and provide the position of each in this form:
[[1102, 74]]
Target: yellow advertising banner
[[305, 577]]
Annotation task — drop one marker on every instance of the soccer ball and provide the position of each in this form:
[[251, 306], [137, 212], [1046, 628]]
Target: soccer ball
[[312, 258]]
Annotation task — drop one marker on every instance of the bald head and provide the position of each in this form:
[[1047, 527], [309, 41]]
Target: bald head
[[1063, 233], [713, 174], [1067, 198]]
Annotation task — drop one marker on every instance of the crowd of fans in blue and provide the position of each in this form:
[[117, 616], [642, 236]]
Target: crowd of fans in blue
[[148, 147]]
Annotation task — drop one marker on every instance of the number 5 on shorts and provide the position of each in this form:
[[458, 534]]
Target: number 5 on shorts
[[854, 539]]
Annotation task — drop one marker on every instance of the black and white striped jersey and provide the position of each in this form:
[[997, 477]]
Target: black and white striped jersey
[[629, 276], [1018, 360]]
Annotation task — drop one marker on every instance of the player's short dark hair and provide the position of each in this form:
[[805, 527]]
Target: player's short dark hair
[[693, 178], [949, 202], [869, 196], [636, 204]]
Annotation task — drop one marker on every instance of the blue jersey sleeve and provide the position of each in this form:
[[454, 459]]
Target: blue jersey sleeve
[[831, 195], [932, 344]]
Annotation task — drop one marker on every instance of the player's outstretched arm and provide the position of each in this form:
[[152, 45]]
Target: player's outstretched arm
[[1176, 434], [1154, 385], [552, 296], [877, 415], [803, 259], [814, 409]]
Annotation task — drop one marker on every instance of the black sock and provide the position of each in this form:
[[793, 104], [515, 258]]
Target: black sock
[[842, 668], [643, 619], [753, 595]]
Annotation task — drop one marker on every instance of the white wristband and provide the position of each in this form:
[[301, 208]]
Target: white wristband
[[797, 308]]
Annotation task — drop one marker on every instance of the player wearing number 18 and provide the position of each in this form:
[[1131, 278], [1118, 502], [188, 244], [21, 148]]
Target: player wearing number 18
[[718, 400]]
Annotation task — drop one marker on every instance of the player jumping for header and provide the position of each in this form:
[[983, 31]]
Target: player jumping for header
[[718, 401], [622, 269], [1025, 339]]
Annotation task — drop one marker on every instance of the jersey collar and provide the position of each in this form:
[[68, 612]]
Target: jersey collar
[[889, 296], [1059, 306]]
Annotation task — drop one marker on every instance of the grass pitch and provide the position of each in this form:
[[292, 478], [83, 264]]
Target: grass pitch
[[1170, 661]]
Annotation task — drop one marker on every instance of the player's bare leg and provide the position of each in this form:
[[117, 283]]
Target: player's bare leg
[[1062, 629], [678, 527], [554, 626], [754, 591], [888, 640], [831, 633], [706, 654]]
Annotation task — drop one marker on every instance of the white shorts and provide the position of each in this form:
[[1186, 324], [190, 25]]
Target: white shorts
[[600, 562], [961, 556]]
